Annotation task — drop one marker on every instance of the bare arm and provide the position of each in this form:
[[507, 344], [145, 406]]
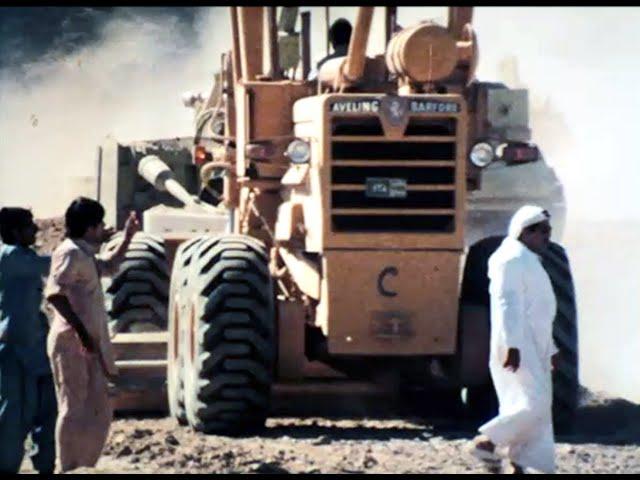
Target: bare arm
[[109, 264], [62, 305]]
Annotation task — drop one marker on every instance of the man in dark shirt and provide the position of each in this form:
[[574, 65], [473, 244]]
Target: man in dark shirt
[[339, 36], [27, 394]]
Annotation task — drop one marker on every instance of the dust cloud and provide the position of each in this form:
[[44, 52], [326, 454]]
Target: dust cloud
[[55, 112], [580, 65], [581, 70]]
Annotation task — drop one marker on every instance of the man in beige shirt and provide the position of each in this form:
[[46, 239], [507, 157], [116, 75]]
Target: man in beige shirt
[[78, 345]]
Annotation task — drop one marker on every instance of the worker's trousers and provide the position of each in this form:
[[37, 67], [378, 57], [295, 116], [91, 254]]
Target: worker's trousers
[[27, 405]]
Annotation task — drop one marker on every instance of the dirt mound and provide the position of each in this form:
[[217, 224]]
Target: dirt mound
[[50, 234], [602, 418]]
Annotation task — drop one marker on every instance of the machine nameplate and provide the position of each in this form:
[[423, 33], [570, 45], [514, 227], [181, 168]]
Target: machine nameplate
[[391, 324], [378, 187], [431, 106], [356, 106], [415, 106]]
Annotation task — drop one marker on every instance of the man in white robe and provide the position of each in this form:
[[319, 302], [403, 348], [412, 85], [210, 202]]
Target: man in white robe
[[523, 307]]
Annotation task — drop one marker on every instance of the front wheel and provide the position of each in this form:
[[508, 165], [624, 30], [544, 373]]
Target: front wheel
[[178, 303], [231, 345], [474, 330]]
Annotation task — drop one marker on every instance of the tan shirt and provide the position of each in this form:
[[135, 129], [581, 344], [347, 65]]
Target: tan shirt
[[75, 273]]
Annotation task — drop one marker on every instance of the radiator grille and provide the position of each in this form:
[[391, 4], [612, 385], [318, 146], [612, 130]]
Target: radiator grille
[[424, 158]]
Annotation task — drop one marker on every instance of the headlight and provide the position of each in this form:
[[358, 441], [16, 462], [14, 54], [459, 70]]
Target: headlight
[[481, 154], [298, 151]]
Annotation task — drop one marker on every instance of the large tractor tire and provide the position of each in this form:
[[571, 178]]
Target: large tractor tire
[[473, 355], [480, 398], [565, 333], [231, 346], [137, 294], [475, 280], [178, 309]]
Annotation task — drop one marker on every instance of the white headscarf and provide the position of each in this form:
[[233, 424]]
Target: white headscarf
[[525, 217]]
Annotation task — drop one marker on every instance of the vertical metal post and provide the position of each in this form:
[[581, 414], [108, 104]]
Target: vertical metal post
[[305, 55], [458, 18], [231, 212], [274, 57], [236, 45], [251, 32], [327, 26], [356, 57], [390, 23], [99, 173]]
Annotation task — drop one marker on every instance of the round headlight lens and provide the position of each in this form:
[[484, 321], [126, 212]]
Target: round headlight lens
[[298, 151], [481, 154]]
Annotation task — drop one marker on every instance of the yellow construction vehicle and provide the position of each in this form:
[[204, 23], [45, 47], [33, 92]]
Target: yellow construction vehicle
[[339, 228]]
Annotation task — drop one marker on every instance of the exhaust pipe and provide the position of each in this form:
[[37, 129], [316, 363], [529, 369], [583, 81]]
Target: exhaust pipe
[[353, 67], [158, 174]]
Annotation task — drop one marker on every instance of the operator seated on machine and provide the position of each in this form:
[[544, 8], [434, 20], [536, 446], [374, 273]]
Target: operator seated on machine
[[339, 36]]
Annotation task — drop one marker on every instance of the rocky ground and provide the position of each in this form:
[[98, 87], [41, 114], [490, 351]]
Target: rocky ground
[[606, 440], [376, 440]]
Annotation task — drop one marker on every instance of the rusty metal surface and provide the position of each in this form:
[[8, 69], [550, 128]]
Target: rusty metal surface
[[392, 303], [274, 56], [293, 365], [354, 63], [458, 18], [256, 107], [236, 62], [250, 31], [149, 399], [141, 359], [424, 53], [290, 340]]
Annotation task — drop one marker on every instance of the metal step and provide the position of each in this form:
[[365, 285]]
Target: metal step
[[141, 385], [140, 346], [143, 369], [141, 396]]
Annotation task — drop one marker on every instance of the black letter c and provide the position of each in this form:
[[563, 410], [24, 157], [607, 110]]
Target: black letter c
[[387, 271]]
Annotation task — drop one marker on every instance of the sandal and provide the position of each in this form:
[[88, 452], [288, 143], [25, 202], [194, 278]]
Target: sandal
[[485, 455]]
